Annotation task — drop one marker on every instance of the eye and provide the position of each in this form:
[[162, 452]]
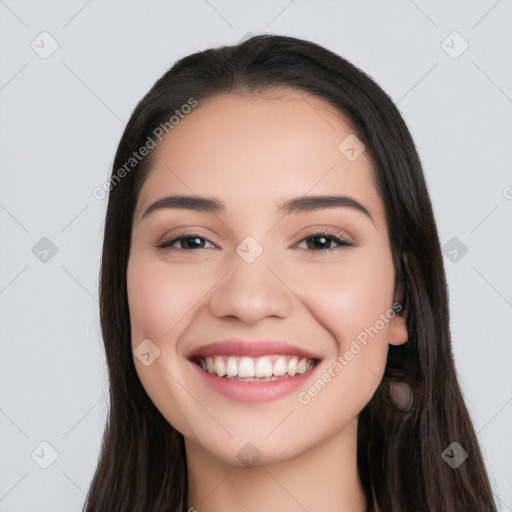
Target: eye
[[323, 238], [190, 239]]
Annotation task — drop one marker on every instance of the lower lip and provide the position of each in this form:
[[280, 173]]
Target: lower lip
[[253, 392]]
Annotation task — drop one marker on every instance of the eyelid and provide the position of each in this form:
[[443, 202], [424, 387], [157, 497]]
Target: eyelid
[[185, 233], [328, 230], [337, 237], [334, 232]]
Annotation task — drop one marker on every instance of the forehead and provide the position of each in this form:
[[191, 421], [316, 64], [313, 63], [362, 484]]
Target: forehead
[[257, 148]]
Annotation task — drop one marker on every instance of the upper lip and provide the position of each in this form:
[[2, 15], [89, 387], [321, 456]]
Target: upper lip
[[251, 348]]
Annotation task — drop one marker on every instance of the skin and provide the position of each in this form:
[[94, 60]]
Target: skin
[[253, 152]]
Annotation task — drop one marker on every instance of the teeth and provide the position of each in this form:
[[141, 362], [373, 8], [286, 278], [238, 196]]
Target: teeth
[[292, 367], [231, 367], [263, 367], [246, 367], [301, 366], [280, 367], [260, 367], [218, 367]]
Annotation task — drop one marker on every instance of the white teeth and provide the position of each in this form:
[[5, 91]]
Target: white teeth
[[292, 367], [246, 367], [218, 367], [263, 367], [280, 367], [301, 366], [231, 367], [260, 367]]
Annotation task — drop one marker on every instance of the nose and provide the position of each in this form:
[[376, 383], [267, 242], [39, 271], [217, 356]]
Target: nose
[[251, 292]]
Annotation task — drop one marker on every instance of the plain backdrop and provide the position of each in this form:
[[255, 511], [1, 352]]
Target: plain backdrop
[[72, 72]]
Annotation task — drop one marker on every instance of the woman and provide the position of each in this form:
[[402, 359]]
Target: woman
[[273, 300]]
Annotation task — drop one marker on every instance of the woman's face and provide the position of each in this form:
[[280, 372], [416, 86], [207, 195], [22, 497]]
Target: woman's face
[[252, 272]]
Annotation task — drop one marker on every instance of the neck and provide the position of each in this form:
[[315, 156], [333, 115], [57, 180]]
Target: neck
[[323, 478]]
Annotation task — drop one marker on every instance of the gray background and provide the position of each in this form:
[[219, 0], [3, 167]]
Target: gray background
[[61, 119]]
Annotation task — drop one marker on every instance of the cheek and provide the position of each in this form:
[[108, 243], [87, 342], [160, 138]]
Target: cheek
[[157, 302], [158, 299], [351, 300], [349, 297]]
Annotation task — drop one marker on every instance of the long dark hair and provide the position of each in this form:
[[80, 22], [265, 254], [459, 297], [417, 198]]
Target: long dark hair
[[142, 462]]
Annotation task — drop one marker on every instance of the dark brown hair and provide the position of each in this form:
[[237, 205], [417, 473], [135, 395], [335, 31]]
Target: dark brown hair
[[142, 463]]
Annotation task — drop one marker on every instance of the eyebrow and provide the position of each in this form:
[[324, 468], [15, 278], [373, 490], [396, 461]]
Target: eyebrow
[[295, 205]]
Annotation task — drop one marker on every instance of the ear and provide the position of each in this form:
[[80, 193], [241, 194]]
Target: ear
[[398, 333]]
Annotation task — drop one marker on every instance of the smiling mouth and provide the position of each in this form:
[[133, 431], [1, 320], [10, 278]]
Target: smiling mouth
[[255, 369]]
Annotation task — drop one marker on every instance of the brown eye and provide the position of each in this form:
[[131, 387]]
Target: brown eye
[[188, 241], [321, 242]]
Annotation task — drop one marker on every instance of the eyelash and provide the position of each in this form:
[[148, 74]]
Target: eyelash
[[166, 243]]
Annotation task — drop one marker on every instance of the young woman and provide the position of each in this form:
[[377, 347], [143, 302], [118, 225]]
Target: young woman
[[273, 301]]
